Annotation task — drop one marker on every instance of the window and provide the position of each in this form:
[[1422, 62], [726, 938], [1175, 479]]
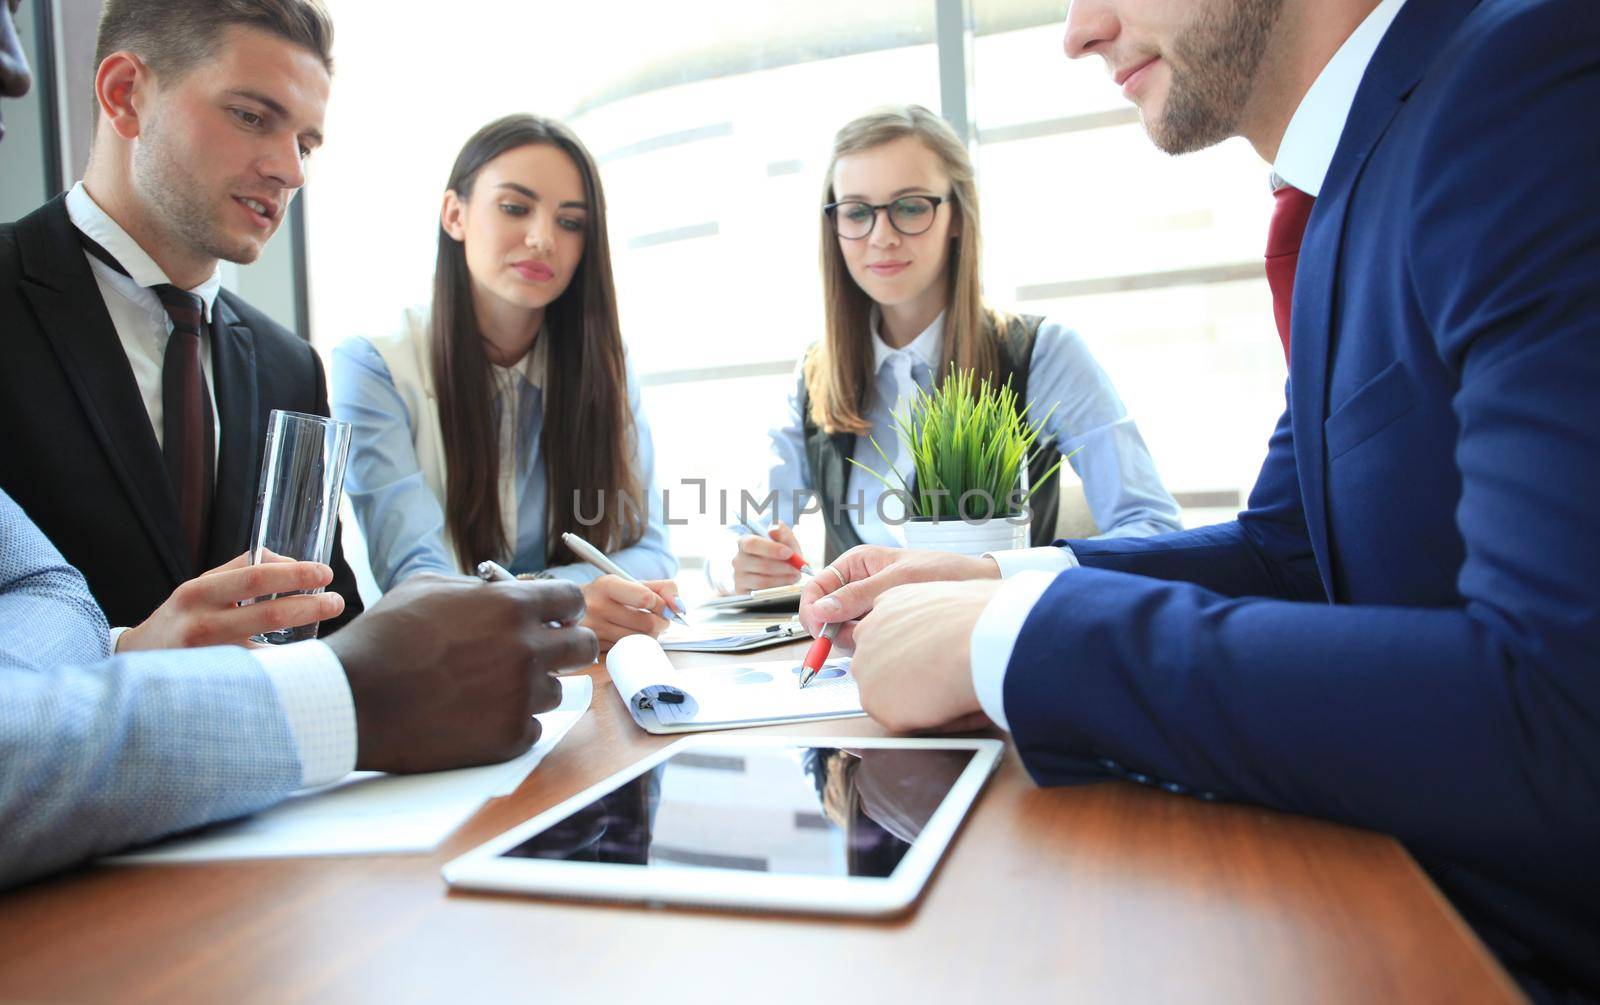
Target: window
[[712, 121], [1155, 260]]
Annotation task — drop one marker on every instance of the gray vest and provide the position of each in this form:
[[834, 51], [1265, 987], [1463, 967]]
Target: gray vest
[[830, 470]]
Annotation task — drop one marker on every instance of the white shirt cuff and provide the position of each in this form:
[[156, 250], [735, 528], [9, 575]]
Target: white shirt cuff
[[1047, 559], [316, 700], [116, 636], [995, 635]]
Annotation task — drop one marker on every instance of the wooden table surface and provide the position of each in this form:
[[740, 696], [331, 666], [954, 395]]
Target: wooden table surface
[[1107, 892]]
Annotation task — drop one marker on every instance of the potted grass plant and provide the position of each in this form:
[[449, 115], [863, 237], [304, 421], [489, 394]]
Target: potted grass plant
[[971, 446]]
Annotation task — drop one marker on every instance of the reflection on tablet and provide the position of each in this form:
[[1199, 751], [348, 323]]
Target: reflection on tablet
[[823, 811]]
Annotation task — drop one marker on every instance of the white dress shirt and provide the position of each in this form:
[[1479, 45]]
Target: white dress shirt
[[1304, 157], [310, 682], [1314, 130], [141, 322]]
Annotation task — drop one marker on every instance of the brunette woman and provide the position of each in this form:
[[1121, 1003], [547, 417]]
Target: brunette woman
[[504, 413]]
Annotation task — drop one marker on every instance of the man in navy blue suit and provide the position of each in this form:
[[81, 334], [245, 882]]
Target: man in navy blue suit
[[1402, 631]]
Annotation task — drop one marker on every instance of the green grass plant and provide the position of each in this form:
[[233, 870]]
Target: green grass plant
[[969, 442]]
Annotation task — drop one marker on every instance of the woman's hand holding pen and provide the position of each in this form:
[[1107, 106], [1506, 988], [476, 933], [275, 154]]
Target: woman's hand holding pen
[[764, 562], [614, 607]]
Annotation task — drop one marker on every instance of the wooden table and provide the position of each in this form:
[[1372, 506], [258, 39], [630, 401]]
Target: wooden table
[[1106, 892]]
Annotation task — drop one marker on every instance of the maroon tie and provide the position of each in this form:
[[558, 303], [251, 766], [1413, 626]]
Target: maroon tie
[[186, 420], [1289, 216]]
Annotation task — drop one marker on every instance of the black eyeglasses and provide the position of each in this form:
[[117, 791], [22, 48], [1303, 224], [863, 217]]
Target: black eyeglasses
[[910, 215]]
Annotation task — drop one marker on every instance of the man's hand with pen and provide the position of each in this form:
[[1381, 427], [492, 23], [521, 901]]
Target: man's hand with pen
[[909, 617], [616, 604], [446, 672]]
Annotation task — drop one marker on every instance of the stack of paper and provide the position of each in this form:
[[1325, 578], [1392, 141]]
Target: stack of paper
[[368, 812], [730, 635], [778, 597]]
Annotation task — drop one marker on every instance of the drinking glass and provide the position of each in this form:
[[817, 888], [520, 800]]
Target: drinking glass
[[297, 501]]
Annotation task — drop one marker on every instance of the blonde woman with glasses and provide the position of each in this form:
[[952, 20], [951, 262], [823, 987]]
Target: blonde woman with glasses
[[900, 275]]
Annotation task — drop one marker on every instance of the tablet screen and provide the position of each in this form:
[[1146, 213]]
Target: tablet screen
[[820, 811]]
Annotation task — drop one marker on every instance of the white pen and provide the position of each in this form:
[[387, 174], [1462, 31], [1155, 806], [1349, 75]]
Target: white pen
[[597, 558]]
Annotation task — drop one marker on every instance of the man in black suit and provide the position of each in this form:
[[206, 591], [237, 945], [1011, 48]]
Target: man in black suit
[[135, 392]]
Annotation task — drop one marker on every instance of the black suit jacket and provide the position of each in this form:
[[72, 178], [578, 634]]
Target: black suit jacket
[[77, 450]]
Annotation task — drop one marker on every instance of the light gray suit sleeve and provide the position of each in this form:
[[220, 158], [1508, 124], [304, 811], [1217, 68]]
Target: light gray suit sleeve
[[98, 752]]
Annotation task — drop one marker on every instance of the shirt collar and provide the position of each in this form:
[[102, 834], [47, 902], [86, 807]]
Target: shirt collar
[[925, 347], [143, 271], [1313, 134], [530, 368]]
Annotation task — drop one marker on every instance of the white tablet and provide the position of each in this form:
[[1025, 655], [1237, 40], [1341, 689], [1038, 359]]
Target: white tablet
[[833, 825]]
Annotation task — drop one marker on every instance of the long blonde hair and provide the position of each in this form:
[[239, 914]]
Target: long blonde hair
[[838, 372]]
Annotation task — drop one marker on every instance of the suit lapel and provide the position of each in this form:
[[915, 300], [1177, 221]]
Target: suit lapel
[[66, 300], [1419, 31], [233, 364]]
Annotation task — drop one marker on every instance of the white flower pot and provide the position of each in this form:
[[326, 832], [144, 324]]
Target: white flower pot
[[962, 538]]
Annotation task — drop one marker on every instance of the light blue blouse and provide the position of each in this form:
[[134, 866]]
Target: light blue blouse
[[1124, 493], [404, 521]]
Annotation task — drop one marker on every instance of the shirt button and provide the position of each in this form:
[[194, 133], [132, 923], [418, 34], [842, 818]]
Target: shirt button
[[1110, 765], [1141, 779], [1209, 797], [1175, 788]]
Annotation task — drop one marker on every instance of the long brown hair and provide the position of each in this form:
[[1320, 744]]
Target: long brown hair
[[839, 372], [589, 441]]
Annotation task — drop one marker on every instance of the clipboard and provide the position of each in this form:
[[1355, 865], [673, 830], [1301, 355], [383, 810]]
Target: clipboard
[[662, 698], [732, 635], [779, 598]]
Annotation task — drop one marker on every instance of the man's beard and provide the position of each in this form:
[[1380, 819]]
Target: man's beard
[[180, 203], [1213, 68]]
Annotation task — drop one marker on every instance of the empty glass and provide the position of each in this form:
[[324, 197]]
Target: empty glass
[[297, 502]]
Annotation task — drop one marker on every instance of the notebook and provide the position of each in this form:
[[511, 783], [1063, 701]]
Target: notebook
[[779, 598], [731, 635], [665, 699]]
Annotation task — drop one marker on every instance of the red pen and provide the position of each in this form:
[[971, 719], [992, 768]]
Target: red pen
[[818, 653], [794, 557]]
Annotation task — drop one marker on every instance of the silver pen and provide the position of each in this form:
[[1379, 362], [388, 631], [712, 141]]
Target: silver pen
[[597, 558], [494, 572]]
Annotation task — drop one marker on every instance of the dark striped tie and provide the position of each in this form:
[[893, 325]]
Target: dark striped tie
[[188, 438]]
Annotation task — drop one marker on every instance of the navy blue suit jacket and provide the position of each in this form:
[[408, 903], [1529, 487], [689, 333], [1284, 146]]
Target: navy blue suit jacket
[[1402, 632]]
